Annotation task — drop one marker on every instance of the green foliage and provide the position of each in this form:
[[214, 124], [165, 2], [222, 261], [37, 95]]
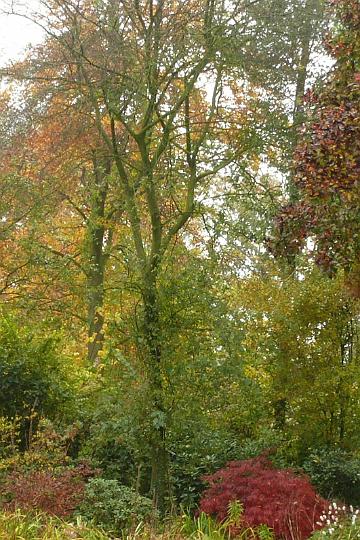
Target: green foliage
[[195, 454], [40, 526], [111, 439], [9, 436], [34, 377], [47, 448], [113, 506], [336, 474], [301, 347], [106, 448], [204, 527]]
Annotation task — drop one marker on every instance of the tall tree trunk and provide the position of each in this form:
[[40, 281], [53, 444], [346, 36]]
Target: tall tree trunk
[[346, 358], [279, 407], [95, 303], [152, 334], [97, 259], [298, 110], [307, 34]]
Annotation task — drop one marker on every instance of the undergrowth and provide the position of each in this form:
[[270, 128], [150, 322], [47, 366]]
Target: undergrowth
[[21, 526]]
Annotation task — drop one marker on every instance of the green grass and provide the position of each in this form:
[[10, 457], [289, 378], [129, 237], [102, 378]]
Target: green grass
[[25, 526], [22, 526]]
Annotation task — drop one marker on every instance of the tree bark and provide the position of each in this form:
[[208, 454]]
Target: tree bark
[[153, 339], [302, 74], [97, 260]]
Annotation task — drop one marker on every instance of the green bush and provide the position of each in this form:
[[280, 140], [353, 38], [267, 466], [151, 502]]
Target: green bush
[[113, 506], [336, 474], [193, 456], [105, 446], [34, 377], [113, 438], [9, 436]]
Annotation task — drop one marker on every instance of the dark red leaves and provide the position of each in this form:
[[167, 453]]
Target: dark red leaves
[[57, 494], [280, 499], [327, 161]]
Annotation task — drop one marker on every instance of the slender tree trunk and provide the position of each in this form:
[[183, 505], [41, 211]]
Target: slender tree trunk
[[280, 406], [346, 356], [97, 260], [159, 469], [152, 334], [95, 303], [298, 110], [302, 74]]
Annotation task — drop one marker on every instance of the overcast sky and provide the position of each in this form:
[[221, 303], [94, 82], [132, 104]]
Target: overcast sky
[[15, 34]]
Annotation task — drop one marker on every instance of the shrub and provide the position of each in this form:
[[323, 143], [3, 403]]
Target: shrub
[[35, 379], [336, 474], [47, 452], [201, 450], [193, 455], [283, 501], [56, 494], [9, 436], [106, 448], [114, 506]]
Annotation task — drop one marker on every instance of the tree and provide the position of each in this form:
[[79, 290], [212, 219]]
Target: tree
[[139, 71], [172, 112], [327, 161], [59, 209], [301, 346], [35, 379]]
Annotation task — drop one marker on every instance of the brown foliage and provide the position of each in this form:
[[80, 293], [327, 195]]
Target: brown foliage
[[57, 494]]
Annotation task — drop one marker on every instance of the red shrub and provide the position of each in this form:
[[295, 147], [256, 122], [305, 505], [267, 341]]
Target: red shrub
[[43, 490], [284, 501]]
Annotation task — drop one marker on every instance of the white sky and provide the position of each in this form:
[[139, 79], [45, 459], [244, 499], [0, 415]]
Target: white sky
[[16, 33]]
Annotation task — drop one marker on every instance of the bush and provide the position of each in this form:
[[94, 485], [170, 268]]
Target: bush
[[106, 449], [336, 474], [56, 494], [34, 378], [9, 436], [283, 501], [48, 449], [201, 451], [114, 506], [192, 456]]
